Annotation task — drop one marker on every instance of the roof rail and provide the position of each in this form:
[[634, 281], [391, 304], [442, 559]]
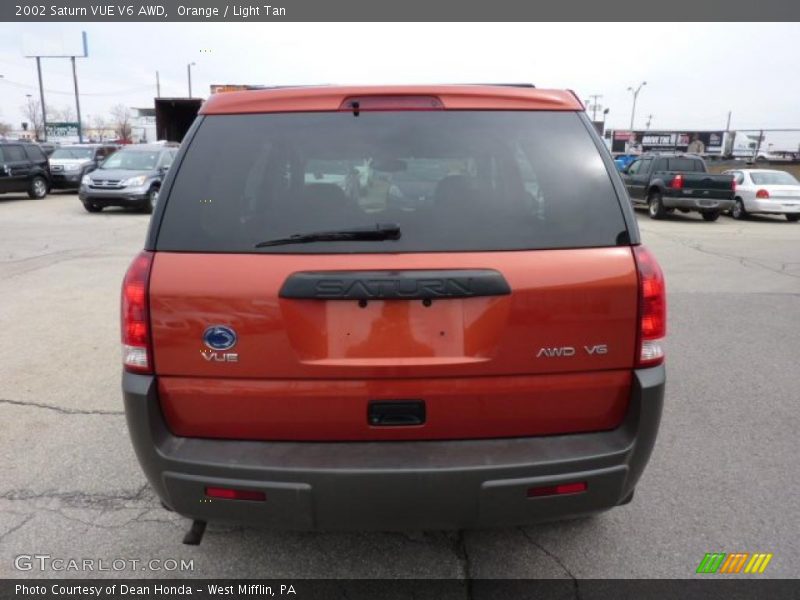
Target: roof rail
[[670, 153], [522, 85], [280, 87]]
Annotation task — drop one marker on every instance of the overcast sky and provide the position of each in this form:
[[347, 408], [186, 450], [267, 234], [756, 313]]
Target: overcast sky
[[695, 73]]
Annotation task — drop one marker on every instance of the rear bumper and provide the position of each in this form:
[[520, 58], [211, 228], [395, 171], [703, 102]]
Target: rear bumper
[[62, 181], [775, 207], [699, 204], [394, 485]]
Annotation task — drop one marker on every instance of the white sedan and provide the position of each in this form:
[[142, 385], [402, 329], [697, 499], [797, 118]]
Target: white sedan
[[765, 191]]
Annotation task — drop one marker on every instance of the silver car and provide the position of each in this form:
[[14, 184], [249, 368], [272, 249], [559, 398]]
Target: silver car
[[765, 191], [131, 177]]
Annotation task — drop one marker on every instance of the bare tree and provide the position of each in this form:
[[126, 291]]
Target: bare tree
[[33, 112], [5, 129], [53, 114], [66, 114], [99, 127], [121, 121]]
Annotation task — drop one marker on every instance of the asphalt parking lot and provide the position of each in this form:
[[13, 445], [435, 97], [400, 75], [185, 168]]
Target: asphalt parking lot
[[723, 476]]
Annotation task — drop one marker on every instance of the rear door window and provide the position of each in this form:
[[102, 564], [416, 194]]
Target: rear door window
[[687, 165], [35, 153], [452, 181], [14, 153]]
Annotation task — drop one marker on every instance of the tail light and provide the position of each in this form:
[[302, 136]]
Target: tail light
[[136, 350], [652, 309], [763, 194], [234, 494], [677, 182], [400, 102], [733, 185], [557, 490]]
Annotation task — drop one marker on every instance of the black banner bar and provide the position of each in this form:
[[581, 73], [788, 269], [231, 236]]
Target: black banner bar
[[407, 10], [707, 587]]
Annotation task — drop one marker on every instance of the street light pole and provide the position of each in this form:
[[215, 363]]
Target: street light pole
[[41, 96], [77, 100], [189, 74], [635, 95]]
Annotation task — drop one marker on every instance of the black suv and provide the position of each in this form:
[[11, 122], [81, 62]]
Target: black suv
[[24, 168]]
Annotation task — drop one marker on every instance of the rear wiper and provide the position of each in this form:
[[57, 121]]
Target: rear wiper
[[379, 232]]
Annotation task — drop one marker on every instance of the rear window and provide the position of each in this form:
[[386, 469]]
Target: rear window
[[451, 180], [773, 178], [687, 165], [74, 152]]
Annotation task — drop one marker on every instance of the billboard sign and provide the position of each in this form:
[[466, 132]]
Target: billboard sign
[[677, 141], [54, 45], [61, 130]]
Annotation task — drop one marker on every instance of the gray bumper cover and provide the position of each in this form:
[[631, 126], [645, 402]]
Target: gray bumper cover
[[394, 485]]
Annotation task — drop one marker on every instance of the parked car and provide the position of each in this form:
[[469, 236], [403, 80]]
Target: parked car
[[765, 191], [68, 164], [131, 177], [24, 168], [488, 354], [664, 182], [623, 160]]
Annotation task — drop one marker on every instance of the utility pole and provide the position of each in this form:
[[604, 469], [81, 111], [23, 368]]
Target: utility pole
[[158, 86], [189, 74], [728, 124], [594, 98], [635, 93], [41, 97], [758, 144], [649, 119], [77, 100]]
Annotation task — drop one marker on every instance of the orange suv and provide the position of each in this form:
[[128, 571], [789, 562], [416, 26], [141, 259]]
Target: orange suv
[[393, 308]]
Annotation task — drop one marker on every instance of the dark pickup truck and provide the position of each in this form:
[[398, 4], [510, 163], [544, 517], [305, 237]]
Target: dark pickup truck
[[665, 182]]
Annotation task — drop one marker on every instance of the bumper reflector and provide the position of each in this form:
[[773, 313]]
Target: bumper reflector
[[557, 490], [230, 494]]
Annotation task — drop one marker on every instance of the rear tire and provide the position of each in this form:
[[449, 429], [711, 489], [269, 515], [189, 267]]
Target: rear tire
[[655, 206], [37, 188], [793, 218], [738, 211], [711, 215]]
